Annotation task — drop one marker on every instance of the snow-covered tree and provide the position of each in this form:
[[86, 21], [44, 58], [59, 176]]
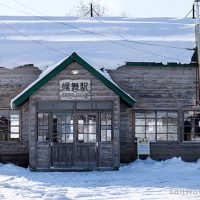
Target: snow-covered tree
[[84, 9]]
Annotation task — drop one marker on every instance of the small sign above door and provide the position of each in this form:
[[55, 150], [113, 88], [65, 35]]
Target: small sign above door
[[74, 89]]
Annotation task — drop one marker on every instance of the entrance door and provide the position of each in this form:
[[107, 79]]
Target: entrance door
[[86, 138], [62, 140], [74, 137]]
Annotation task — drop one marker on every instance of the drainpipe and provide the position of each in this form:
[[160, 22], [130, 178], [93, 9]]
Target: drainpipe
[[197, 41]]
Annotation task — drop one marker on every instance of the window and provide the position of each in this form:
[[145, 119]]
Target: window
[[43, 127], [63, 131], [156, 125], [9, 125], [87, 128], [191, 125], [106, 127]]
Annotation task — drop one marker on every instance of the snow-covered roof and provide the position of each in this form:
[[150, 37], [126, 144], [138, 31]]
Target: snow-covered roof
[[49, 73], [105, 42]]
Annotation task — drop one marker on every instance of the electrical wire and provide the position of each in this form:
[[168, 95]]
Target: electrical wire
[[90, 32], [36, 41], [124, 38], [144, 43]]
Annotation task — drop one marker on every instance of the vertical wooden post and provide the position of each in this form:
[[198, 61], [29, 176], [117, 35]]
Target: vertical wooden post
[[193, 12], [91, 10]]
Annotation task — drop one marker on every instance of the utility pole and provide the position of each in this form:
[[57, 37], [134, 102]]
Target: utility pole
[[197, 41], [193, 11], [91, 10]]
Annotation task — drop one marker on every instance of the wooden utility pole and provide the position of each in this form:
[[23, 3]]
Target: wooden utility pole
[[91, 10], [197, 40], [193, 11]]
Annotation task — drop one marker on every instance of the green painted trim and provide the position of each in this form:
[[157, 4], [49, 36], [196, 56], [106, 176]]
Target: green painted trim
[[159, 64], [74, 57]]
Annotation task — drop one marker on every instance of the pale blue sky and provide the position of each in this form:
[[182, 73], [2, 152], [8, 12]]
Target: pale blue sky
[[133, 8]]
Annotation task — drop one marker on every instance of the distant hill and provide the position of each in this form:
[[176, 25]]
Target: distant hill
[[100, 41]]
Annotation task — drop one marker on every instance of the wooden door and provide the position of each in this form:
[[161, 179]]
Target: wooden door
[[62, 140], [86, 140], [74, 139]]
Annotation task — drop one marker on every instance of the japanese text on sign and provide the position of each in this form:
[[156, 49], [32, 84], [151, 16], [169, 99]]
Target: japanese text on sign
[[74, 89], [143, 146]]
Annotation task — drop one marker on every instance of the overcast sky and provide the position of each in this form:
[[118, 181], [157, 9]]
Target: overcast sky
[[133, 8]]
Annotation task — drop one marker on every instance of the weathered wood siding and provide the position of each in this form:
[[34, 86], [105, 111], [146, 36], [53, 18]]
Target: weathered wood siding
[[153, 87], [12, 82], [158, 87], [50, 92], [189, 152]]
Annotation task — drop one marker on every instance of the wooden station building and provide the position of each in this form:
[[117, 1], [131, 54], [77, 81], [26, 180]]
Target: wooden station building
[[75, 117]]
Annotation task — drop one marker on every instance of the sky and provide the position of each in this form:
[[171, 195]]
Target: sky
[[131, 8]]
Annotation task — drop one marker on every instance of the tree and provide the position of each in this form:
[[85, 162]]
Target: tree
[[84, 9]]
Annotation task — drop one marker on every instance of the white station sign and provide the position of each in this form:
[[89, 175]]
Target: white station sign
[[74, 89], [143, 146]]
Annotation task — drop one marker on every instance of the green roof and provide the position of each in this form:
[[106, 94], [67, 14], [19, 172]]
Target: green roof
[[158, 64], [44, 78]]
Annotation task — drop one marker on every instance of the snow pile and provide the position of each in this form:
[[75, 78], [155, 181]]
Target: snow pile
[[148, 179], [100, 41]]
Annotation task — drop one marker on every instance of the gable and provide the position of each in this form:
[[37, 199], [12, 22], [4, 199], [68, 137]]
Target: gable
[[53, 71]]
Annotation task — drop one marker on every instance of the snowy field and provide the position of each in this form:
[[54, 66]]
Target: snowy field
[[103, 42], [171, 179]]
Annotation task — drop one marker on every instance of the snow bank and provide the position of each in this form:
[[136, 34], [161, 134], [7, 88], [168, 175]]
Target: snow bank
[[142, 179], [105, 48]]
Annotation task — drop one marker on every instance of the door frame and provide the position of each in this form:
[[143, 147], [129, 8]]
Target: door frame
[[75, 143]]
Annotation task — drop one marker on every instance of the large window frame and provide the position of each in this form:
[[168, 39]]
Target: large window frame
[[191, 125], [82, 128], [160, 125], [10, 125]]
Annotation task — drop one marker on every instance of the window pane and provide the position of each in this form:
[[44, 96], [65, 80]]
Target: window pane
[[139, 129], [150, 129], [162, 114], [103, 135], [14, 136], [106, 126], [139, 122], [69, 138], [172, 129], [172, 137], [161, 129], [80, 137], [91, 138], [139, 135], [150, 122], [162, 137], [69, 129], [14, 129], [140, 115], [151, 136], [197, 137], [109, 135], [150, 114]]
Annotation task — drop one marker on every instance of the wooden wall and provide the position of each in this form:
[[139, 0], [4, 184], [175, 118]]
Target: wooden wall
[[156, 87], [50, 92], [12, 82]]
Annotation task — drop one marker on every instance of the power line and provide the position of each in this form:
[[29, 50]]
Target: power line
[[90, 32], [144, 43], [36, 41]]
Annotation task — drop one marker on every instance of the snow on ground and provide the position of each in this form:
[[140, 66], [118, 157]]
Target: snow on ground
[[148, 179], [106, 48]]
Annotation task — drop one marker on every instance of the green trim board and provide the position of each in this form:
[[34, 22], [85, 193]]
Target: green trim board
[[44, 78], [158, 64]]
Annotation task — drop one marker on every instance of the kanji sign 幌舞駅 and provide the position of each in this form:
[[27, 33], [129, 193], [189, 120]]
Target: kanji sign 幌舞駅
[[74, 89]]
